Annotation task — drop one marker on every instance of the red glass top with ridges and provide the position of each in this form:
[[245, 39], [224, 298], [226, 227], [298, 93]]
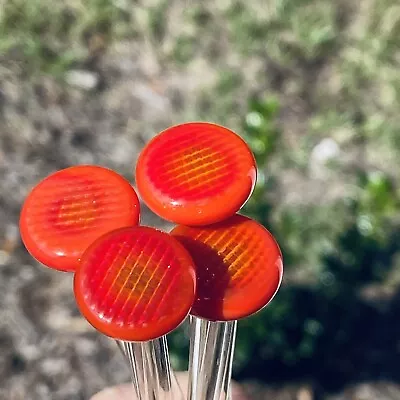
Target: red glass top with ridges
[[71, 208], [135, 284], [196, 173], [238, 266]]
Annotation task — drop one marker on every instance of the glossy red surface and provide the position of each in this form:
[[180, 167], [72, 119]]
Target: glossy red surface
[[135, 284], [196, 173], [71, 208], [238, 264]]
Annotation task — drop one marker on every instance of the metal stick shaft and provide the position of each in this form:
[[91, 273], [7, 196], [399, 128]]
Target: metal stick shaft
[[152, 376], [129, 355], [229, 361], [165, 384], [210, 360], [141, 377], [195, 361]]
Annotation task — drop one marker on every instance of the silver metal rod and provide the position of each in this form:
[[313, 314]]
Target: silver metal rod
[[210, 360], [130, 356], [152, 376], [226, 388], [141, 378], [166, 386], [195, 361]]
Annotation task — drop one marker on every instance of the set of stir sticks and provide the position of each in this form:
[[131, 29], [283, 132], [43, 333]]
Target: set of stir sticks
[[136, 283]]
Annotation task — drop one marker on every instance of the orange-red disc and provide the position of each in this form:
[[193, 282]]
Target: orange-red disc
[[71, 208], [135, 284], [196, 173], [238, 266]]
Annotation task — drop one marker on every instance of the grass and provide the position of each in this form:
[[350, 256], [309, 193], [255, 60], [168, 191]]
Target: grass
[[49, 37], [358, 42]]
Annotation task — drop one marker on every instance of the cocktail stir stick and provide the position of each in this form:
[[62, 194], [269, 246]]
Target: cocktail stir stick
[[196, 174], [66, 212], [239, 269], [137, 284]]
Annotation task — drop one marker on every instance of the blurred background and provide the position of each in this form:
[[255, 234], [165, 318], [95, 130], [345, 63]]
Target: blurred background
[[312, 85]]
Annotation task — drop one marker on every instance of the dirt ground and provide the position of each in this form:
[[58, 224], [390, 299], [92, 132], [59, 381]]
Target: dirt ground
[[47, 351]]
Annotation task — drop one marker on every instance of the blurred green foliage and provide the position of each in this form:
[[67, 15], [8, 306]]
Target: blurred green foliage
[[332, 250], [343, 245], [51, 38]]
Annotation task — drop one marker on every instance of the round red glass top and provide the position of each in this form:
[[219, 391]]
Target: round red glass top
[[238, 266], [196, 173], [71, 208], [135, 284]]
